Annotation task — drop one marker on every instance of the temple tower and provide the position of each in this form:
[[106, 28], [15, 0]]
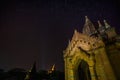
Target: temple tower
[[86, 57]]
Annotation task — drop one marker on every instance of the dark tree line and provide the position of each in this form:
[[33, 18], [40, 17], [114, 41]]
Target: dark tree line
[[20, 74]]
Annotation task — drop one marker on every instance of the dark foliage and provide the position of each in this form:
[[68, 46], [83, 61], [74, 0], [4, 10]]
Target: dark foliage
[[19, 74]]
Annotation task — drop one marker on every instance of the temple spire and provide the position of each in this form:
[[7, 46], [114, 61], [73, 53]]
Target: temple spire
[[99, 24], [52, 69], [101, 28], [106, 24], [89, 28], [31, 74]]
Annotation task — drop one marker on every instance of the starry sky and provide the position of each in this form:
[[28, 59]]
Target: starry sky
[[39, 30]]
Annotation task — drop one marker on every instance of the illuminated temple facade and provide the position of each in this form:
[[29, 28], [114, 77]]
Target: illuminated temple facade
[[93, 54]]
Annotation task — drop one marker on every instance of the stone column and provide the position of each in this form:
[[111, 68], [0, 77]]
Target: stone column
[[69, 74], [91, 63]]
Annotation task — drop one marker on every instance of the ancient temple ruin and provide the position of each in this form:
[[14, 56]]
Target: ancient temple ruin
[[93, 54]]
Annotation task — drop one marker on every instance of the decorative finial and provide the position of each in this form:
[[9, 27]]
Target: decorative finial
[[106, 24], [99, 23], [86, 18], [69, 42], [75, 31]]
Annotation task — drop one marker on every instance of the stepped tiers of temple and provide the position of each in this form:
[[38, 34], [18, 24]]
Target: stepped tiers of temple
[[93, 54]]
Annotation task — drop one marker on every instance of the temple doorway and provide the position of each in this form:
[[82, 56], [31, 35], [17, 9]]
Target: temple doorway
[[83, 71]]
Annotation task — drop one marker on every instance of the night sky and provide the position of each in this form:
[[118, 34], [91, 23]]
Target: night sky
[[39, 30]]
